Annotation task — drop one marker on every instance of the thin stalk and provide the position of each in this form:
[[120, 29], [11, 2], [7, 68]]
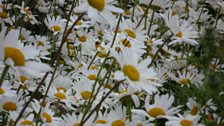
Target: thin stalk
[[4, 74], [92, 60], [115, 35], [151, 20], [157, 52], [145, 14]]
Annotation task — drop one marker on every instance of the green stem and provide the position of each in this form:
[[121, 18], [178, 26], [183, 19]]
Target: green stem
[[129, 111], [150, 25], [4, 74], [145, 14]]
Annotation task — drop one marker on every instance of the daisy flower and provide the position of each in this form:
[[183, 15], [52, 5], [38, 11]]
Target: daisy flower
[[181, 120], [187, 78], [193, 106], [55, 24], [46, 113], [136, 72], [43, 6], [5, 90], [41, 42], [86, 40], [162, 73], [62, 96], [25, 35], [28, 14], [97, 9], [61, 83], [175, 62], [122, 42], [83, 89], [28, 121], [182, 30], [129, 91], [138, 120], [74, 120], [8, 104], [80, 24], [99, 29], [4, 16], [117, 116], [14, 54], [101, 119], [128, 27], [161, 108]]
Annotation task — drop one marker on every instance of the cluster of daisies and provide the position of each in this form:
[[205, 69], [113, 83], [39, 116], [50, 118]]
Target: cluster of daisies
[[104, 62]]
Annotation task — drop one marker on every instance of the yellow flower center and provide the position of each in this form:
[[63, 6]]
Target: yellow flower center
[[27, 123], [47, 117], [27, 11], [16, 55], [185, 81], [179, 34], [79, 23], [150, 41], [23, 78], [93, 67], [139, 124], [56, 28], [60, 96], [131, 72], [76, 124], [72, 47], [213, 66], [127, 12], [40, 43], [186, 122], [101, 54], [86, 95], [130, 33], [82, 38], [126, 43], [97, 4], [61, 88], [3, 15], [101, 121], [61, 62], [100, 33], [2, 91], [118, 123], [154, 112], [80, 65], [22, 37], [10, 106], [210, 117], [92, 77], [194, 110]]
